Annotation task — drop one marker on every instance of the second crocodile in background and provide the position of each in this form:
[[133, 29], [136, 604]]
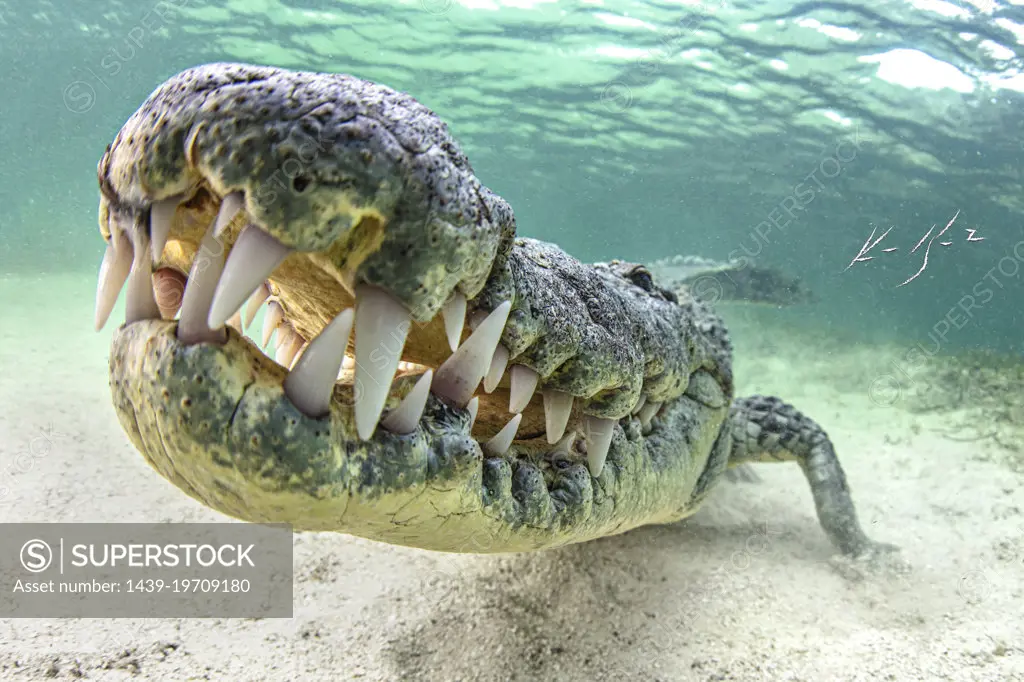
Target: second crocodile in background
[[498, 394]]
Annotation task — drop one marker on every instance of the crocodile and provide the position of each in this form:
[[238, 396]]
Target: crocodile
[[437, 381]]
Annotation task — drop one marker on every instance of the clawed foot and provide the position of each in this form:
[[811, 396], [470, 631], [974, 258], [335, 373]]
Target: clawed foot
[[876, 559]]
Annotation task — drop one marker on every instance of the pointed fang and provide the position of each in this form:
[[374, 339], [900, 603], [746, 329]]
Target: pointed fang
[[404, 418], [461, 373], [252, 259], [502, 440], [454, 312], [382, 324], [310, 384]]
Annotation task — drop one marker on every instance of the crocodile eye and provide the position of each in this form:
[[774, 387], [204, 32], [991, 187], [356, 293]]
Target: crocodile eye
[[300, 183], [642, 279]]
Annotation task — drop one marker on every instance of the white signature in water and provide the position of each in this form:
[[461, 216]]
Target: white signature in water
[[869, 244]]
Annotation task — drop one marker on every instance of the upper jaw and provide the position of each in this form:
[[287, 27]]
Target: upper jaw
[[329, 164]]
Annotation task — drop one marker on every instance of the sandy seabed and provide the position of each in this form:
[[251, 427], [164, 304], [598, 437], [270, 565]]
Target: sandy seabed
[[745, 590]]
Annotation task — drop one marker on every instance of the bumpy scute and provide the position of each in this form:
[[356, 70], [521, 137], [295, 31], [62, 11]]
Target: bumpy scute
[[326, 163]]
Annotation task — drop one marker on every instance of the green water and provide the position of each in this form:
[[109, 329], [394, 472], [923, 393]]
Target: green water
[[617, 129], [785, 132]]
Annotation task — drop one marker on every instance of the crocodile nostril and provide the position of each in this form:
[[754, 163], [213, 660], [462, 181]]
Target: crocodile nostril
[[300, 183]]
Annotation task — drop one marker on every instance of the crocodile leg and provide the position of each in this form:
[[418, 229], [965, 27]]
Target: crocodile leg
[[766, 429]]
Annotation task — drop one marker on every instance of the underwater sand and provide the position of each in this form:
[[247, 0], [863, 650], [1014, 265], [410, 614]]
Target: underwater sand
[[745, 590]]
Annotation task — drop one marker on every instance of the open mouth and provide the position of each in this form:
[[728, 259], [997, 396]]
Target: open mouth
[[432, 376], [335, 339]]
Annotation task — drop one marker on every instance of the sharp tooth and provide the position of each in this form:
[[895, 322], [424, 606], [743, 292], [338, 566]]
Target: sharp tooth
[[454, 312], [310, 384], [476, 319], [252, 259], [117, 263], [202, 282], [497, 370], [300, 347], [473, 407], [283, 344], [639, 404], [557, 408], [272, 320], [292, 351], [161, 215], [565, 443], [461, 373], [502, 440], [524, 383], [231, 205], [404, 418], [139, 300], [348, 362], [116, 232], [236, 322], [599, 438], [258, 298], [382, 323], [647, 412]]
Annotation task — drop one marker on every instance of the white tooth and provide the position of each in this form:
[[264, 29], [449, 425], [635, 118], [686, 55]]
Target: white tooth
[[639, 404], [404, 418], [647, 412], [454, 312], [599, 438], [272, 320], [236, 322], [161, 215], [565, 443], [502, 440], [310, 384], [116, 233], [231, 205], [461, 373], [283, 344], [382, 323], [258, 298], [300, 350], [139, 299], [117, 263], [473, 407], [293, 350], [497, 370], [199, 291], [476, 319], [524, 383], [252, 259], [557, 408], [348, 362]]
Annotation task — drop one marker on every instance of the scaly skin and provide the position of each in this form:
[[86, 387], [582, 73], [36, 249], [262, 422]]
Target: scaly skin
[[367, 186]]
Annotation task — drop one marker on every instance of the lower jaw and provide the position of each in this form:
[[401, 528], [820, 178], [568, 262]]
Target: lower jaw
[[215, 421]]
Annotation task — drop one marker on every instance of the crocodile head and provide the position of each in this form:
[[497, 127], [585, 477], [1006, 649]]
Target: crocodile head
[[437, 382]]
